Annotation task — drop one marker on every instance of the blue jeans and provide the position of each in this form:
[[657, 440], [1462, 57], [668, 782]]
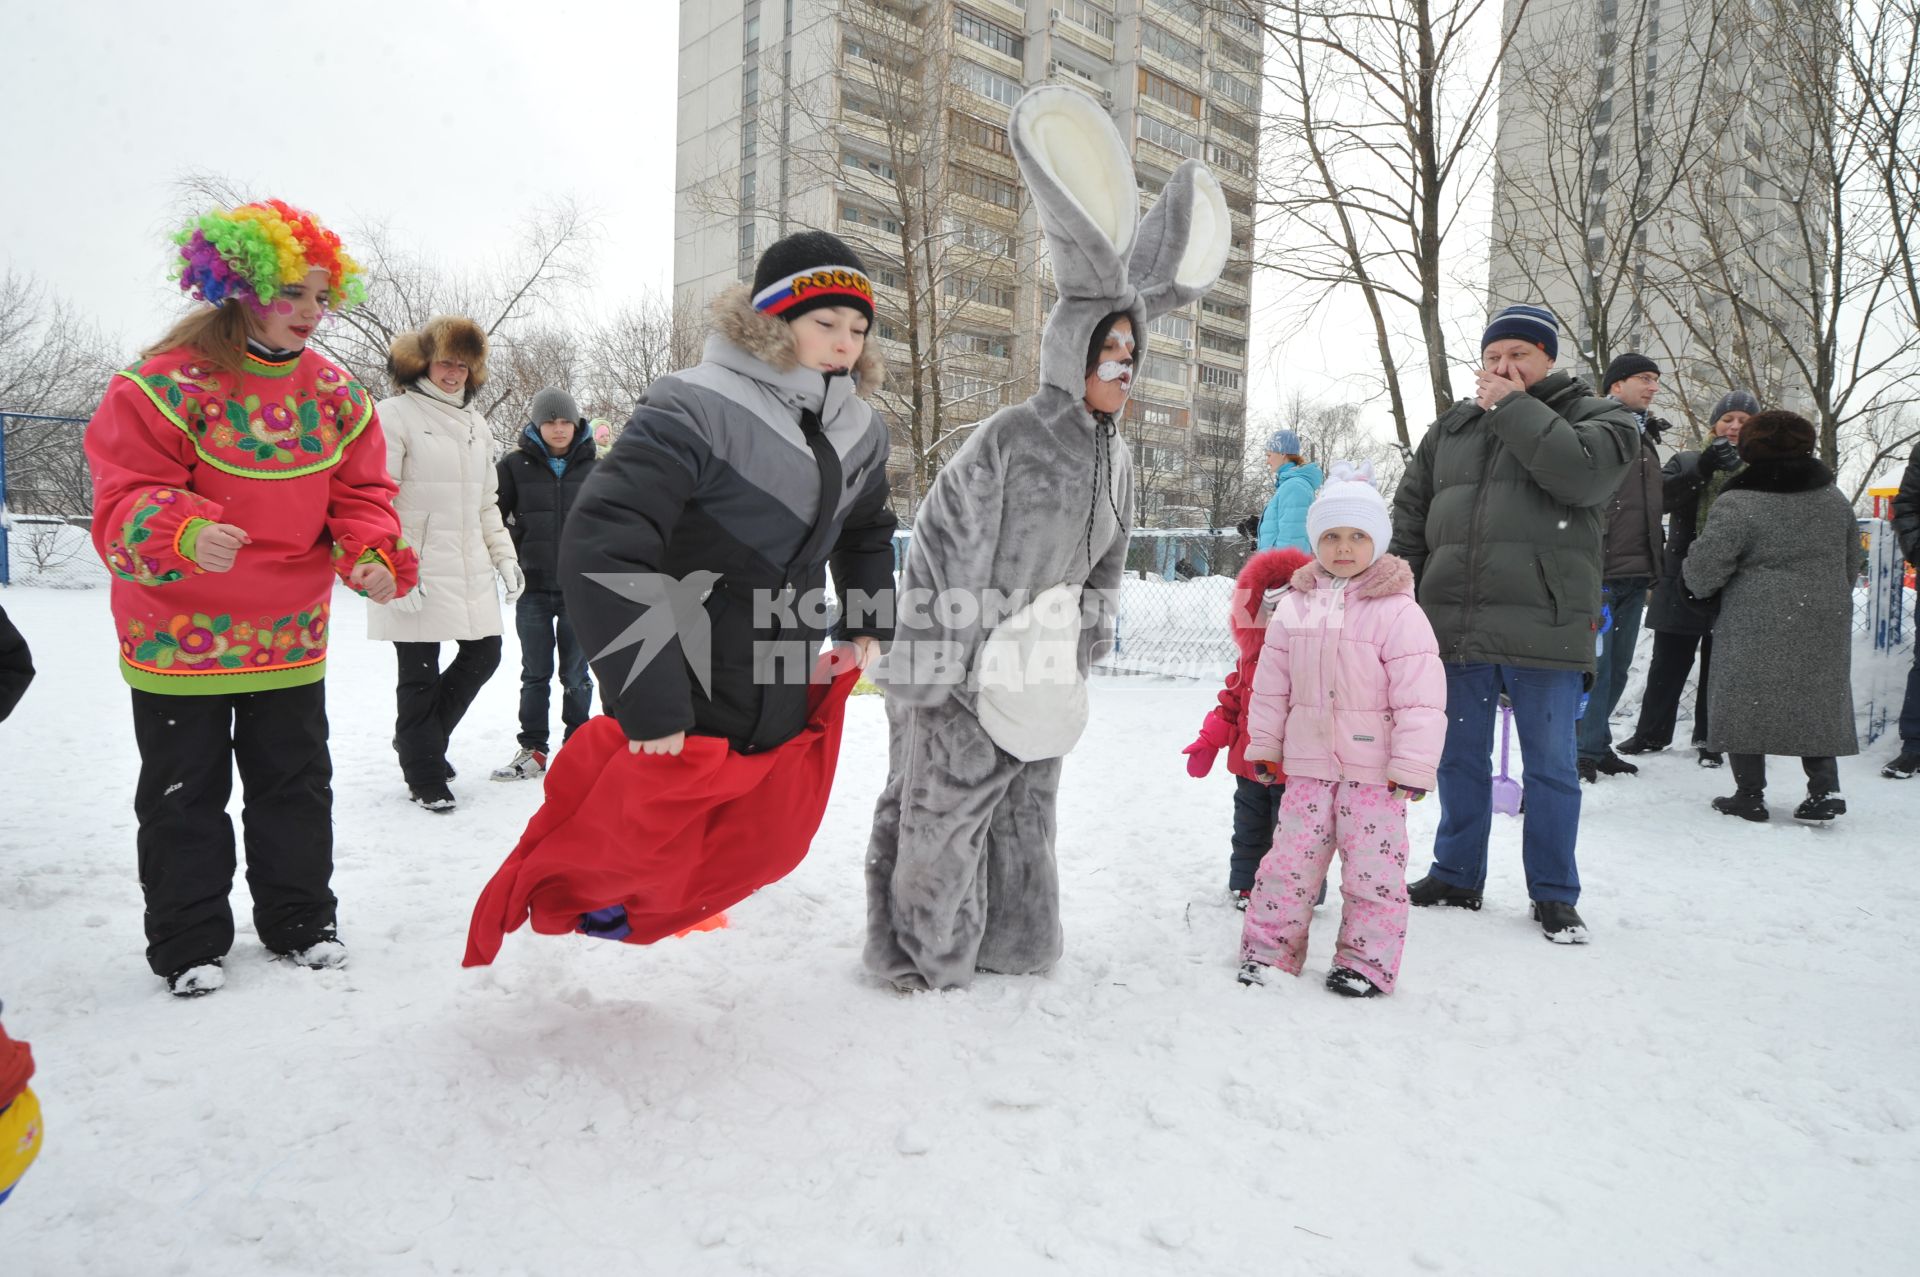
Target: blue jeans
[[540, 617], [1628, 599], [1544, 703]]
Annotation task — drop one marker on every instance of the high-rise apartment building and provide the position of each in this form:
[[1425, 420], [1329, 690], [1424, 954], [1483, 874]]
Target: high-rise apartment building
[[792, 114], [1638, 192]]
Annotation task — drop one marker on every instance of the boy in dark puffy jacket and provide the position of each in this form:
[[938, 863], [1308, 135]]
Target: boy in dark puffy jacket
[[538, 481]]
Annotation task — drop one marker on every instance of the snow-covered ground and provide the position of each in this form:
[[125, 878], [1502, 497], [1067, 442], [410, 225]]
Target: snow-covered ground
[[1727, 1080]]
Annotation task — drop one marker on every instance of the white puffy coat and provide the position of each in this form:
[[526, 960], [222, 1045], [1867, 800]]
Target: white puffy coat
[[449, 507]]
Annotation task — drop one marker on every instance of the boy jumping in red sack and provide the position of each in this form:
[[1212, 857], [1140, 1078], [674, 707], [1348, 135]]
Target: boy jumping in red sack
[[694, 564]]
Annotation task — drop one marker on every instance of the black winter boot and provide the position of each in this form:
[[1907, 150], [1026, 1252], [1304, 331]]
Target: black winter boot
[[1820, 809], [1748, 804], [1903, 767], [1559, 922], [1431, 891]]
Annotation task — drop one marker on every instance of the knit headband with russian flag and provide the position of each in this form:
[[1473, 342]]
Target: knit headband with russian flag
[[842, 284]]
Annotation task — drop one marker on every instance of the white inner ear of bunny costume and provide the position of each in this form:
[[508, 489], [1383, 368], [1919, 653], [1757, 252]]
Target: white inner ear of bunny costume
[[1212, 234], [1078, 145]]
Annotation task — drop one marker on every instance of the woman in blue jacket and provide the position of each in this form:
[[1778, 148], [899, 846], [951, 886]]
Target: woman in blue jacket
[[1295, 481]]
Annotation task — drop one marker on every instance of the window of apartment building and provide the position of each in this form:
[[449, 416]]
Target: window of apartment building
[[985, 186], [750, 35], [750, 86], [1238, 54], [1174, 327], [1169, 45], [869, 217], [958, 387], [1213, 339], [999, 346], [868, 163], [1230, 160], [746, 239], [1091, 16], [1166, 92], [1186, 10], [991, 34], [965, 288], [1152, 414], [749, 139], [749, 182], [976, 236], [977, 132], [1226, 310], [1150, 182], [1161, 133], [1231, 124], [1609, 12], [860, 104], [1164, 368], [1220, 378], [988, 84], [1231, 87]]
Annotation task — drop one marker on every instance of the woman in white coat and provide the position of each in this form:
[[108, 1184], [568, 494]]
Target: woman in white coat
[[440, 453]]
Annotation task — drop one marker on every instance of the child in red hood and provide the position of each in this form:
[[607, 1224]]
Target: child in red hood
[[19, 1113], [1256, 807]]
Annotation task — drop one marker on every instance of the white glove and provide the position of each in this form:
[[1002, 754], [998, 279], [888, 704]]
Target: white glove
[[410, 602], [513, 578]]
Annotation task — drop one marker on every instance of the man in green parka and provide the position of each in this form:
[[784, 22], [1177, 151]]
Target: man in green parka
[[1500, 514]]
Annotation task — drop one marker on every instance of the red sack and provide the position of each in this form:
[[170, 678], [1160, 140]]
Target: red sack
[[672, 838]]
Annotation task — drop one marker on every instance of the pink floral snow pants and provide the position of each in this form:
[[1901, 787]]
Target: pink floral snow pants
[[1369, 825]]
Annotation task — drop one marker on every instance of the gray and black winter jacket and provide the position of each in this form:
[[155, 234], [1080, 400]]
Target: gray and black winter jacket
[[744, 476]]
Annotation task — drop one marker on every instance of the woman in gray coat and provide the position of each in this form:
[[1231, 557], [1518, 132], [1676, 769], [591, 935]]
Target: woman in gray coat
[[1782, 550]]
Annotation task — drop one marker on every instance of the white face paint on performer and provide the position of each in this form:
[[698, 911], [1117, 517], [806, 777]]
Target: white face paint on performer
[[1112, 379]]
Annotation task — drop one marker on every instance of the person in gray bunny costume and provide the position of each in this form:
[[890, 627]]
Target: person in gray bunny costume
[[1030, 517]]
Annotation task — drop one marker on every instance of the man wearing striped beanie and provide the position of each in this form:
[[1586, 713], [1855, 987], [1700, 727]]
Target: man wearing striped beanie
[[1500, 515]]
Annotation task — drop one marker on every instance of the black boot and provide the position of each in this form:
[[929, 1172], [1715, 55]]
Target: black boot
[[1748, 804], [1559, 922], [433, 795], [1712, 757], [1638, 744], [1431, 891], [1589, 771], [1611, 764], [1351, 984], [1820, 809], [1903, 767]]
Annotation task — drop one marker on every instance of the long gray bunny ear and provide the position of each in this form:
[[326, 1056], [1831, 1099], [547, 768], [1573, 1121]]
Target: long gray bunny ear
[[1081, 177], [1183, 242]]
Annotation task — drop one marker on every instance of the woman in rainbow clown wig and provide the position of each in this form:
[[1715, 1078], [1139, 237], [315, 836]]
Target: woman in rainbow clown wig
[[236, 474]]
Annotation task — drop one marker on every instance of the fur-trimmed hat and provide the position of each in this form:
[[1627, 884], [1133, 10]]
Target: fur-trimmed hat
[[1777, 435], [443, 337]]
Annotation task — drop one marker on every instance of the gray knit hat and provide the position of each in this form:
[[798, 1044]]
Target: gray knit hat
[[1734, 401], [552, 404]]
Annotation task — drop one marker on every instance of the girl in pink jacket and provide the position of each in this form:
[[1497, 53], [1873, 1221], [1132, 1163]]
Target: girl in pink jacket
[[1350, 699]]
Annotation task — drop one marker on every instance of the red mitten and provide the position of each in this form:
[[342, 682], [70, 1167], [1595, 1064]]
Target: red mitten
[[1214, 736]]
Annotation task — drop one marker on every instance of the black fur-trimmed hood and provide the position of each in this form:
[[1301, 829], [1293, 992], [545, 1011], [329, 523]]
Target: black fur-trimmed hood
[[1781, 474]]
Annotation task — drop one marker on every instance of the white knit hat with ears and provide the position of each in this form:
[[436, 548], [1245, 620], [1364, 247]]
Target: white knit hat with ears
[[1348, 499]]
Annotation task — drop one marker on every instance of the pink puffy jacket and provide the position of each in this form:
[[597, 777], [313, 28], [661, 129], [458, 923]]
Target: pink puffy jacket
[[1349, 685]]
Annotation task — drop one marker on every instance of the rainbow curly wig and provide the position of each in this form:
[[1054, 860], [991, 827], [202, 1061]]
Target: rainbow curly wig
[[250, 252]]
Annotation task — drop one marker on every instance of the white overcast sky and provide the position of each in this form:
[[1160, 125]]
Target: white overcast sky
[[447, 121]]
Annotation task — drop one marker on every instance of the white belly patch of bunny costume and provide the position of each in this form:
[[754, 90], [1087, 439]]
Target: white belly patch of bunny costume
[[1035, 507]]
